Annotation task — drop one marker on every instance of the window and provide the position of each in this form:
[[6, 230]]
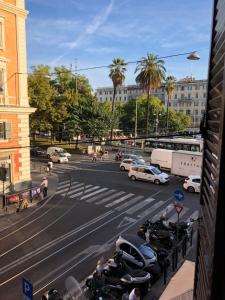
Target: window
[[141, 170], [204, 95], [100, 92], [196, 95], [188, 112], [196, 112], [175, 96], [110, 92], [106, 93], [182, 96], [182, 88], [125, 248], [195, 103], [2, 81], [125, 98], [2, 33], [106, 98], [119, 91], [100, 98], [202, 111], [147, 171], [5, 130], [189, 96], [196, 180], [196, 87]]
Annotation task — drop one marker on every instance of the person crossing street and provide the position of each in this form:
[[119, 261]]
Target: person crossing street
[[44, 186]]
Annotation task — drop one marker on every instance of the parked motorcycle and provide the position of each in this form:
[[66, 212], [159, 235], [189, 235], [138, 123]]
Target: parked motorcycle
[[118, 157], [116, 268], [156, 237], [52, 294]]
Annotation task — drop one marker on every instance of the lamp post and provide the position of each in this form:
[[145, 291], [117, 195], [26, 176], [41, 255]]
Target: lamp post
[[135, 128], [190, 56]]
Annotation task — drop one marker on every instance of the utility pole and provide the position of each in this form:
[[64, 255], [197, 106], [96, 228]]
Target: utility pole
[[135, 129], [76, 76]]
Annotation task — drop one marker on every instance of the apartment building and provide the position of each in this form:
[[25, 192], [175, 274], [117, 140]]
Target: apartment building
[[14, 105], [189, 96]]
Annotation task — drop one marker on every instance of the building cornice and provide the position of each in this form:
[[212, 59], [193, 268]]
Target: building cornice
[[13, 9], [17, 109]]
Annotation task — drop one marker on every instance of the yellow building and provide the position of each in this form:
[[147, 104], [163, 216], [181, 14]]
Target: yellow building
[[14, 104]]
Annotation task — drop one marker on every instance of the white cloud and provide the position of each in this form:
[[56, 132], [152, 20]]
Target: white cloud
[[90, 29], [101, 50]]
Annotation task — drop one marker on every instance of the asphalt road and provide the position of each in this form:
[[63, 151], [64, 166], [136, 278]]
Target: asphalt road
[[93, 205]]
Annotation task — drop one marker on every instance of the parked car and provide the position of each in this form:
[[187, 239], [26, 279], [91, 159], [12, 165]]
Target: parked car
[[52, 150], [37, 151], [138, 254], [126, 164], [59, 158], [192, 184], [148, 173], [134, 157]]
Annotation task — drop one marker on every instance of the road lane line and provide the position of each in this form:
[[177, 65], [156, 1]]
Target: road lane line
[[70, 189], [129, 203], [110, 198], [78, 189], [146, 212], [115, 202], [92, 199], [53, 243], [62, 248], [94, 193], [84, 191], [140, 205], [166, 209], [63, 182]]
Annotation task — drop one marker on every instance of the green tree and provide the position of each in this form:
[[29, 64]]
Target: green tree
[[40, 93], [117, 74], [151, 74], [170, 86]]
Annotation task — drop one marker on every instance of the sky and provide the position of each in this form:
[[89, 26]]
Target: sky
[[94, 32]]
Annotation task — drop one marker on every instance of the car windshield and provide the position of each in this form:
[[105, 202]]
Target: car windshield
[[156, 171], [61, 154], [139, 162], [147, 251]]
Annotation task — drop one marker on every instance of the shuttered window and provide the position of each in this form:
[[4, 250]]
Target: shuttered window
[[5, 130]]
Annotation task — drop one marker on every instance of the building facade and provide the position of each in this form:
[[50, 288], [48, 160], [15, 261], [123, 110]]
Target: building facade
[[14, 104], [189, 96]]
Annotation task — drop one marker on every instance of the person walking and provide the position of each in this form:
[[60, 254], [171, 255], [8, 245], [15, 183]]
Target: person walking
[[44, 186], [50, 166], [94, 158]]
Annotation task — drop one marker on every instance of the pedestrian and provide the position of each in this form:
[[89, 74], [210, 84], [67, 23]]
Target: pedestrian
[[101, 152], [94, 158], [50, 166], [135, 294], [44, 186]]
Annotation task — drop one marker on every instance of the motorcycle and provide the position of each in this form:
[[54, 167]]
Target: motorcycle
[[156, 237], [52, 294], [118, 157], [117, 267]]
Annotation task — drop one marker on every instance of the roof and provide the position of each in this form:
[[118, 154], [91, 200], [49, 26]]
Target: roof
[[133, 239]]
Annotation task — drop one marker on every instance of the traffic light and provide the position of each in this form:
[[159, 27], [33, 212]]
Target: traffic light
[[3, 173]]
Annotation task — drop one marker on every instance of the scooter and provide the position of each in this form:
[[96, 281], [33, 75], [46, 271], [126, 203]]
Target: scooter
[[116, 268], [158, 238], [118, 157]]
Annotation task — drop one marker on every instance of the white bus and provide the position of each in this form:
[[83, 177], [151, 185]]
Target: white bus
[[185, 144]]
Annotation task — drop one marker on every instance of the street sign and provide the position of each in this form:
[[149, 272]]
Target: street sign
[[179, 195], [27, 289], [179, 207]]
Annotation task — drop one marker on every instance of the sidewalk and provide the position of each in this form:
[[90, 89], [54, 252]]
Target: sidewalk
[[36, 180]]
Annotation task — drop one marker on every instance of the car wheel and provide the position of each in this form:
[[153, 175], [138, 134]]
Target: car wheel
[[132, 177], [122, 168], [48, 156], [157, 181], [191, 189], [59, 161]]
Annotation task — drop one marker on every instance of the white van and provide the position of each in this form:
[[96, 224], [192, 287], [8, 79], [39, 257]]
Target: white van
[[161, 158], [52, 150]]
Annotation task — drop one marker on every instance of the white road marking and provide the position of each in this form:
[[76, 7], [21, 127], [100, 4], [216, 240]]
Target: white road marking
[[115, 202], [151, 209], [71, 189], [63, 182], [94, 193], [174, 216], [100, 196], [167, 209], [194, 215], [129, 203], [84, 190], [139, 205], [110, 198]]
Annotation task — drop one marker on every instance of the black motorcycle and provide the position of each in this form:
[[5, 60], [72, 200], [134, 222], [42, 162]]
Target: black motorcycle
[[158, 238]]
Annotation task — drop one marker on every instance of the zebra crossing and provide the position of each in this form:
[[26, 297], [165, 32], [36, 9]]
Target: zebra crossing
[[121, 201]]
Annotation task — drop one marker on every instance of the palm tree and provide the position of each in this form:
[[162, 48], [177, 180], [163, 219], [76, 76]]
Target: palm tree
[[170, 86], [117, 70], [151, 74]]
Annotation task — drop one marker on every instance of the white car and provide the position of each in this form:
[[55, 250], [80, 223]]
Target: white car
[[52, 150], [59, 158], [192, 184], [126, 164], [148, 173]]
